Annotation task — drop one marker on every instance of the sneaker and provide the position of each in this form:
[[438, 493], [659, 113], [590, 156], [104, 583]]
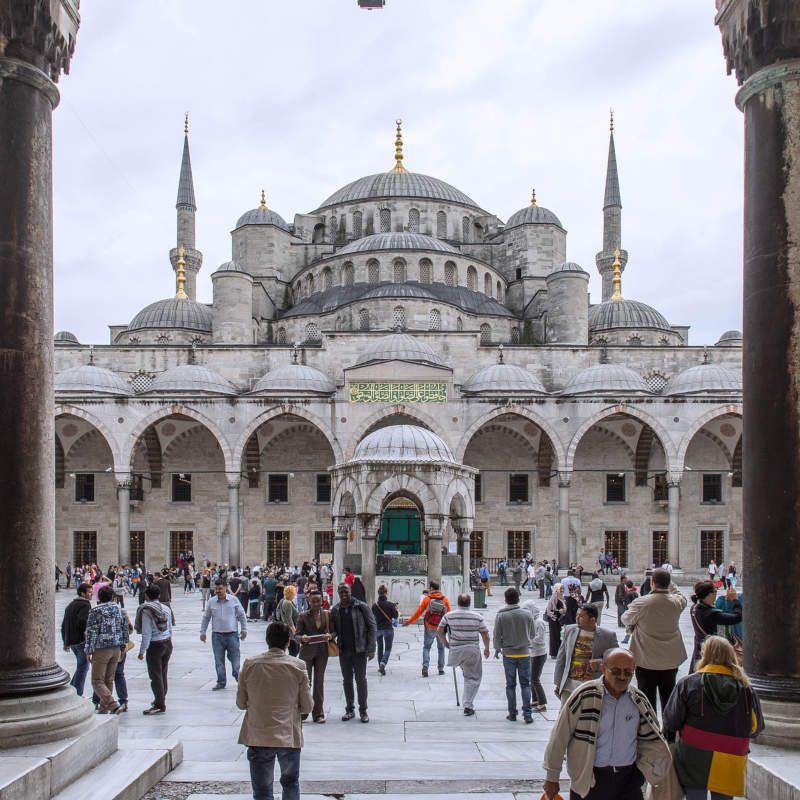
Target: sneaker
[[528, 719], [149, 712], [123, 707], [217, 687], [511, 717], [469, 712], [424, 672], [382, 669], [348, 715], [441, 672], [364, 717]]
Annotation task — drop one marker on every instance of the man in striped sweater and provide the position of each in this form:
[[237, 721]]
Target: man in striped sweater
[[610, 735], [459, 632]]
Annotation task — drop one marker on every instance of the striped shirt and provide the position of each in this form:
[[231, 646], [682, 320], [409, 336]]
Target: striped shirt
[[464, 626]]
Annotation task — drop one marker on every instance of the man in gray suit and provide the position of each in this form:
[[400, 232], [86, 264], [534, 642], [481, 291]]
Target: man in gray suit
[[581, 653]]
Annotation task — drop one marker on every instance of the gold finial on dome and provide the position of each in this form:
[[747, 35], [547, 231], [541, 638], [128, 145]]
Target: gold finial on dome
[[616, 282], [533, 198], [186, 124], [181, 273], [611, 112], [398, 149], [263, 204]]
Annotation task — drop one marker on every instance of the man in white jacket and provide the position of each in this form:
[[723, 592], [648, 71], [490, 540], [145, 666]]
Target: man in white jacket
[[656, 642]]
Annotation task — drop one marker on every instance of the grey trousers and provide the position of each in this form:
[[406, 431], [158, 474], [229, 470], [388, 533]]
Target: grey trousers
[[469, 659]]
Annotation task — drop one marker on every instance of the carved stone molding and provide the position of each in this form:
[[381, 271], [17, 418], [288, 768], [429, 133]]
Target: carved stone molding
[[40, 32]]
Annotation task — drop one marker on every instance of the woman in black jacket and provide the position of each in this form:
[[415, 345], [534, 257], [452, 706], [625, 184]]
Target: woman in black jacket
[[705, 617], [358, 590]]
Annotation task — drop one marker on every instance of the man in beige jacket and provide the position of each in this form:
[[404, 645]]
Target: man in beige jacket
[[273, 691], [656, 642]]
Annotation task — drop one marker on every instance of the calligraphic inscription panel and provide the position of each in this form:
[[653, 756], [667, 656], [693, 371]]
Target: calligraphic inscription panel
[[379, 392]]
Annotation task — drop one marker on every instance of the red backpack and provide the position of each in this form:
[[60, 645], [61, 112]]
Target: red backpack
[[435, 611]]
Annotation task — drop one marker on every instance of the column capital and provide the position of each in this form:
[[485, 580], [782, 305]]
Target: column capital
[[41, 33], [564, 480], [124, 482], [233, 479], [674, 479], [757, 34]]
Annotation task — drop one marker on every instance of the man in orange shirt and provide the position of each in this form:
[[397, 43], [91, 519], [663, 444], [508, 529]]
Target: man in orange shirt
[[433, 606]]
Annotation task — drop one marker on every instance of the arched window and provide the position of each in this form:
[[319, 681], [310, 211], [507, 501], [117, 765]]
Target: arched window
[[465, 229], [459, 324], [472, 278], [348, 273], [435, 320], [399, 318], [399, 270], [515, 335], [373, 271], [386, 220], [487, 285], [310, 284], [333, 227], [441, 225], [425, 271], [281, 335], [499, 292], [486, 333], [318, 236], [312, 333], [327, 278], [357, 224], [413, 220], [363, 319], [450, 276]]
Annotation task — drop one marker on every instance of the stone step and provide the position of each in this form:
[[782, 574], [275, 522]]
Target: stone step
[[129, 773], [463, 796]]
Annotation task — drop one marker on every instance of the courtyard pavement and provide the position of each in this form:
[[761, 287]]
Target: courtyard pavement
[[417, 739]]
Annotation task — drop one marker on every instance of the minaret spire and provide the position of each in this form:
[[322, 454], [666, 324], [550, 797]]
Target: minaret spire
[[612, 222], [398, 149], [186, 208]]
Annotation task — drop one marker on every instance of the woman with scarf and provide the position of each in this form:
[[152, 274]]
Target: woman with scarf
[[554, 613]]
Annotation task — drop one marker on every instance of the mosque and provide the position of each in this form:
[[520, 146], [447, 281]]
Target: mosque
[[399, 372]]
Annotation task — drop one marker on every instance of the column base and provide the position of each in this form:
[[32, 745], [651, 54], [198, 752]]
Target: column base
[[46, 717], [782, 724]]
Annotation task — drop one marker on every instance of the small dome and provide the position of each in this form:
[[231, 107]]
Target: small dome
[[399, 347], [88, 378], [66, 337], [625, 314], [569, 266], [398, 184], [262, 216], [397, 241], [390, 290], [295, 378], [730, 339], [533, 215], [403, 443], [192, 378], [503, 378], [602, 378], [174, 313], [231, 266], [705, 378]]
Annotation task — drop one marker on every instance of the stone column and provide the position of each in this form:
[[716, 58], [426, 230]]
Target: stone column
[[674, 524], [234, 536], [564, 479], [465, 534], [369, 553], [124, 526], [36, 702], [761, 39], [341, 528], [433, 533]]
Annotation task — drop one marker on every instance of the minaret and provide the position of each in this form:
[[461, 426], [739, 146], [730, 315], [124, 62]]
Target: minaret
[[612, 223], [398, 149], [186, 208]]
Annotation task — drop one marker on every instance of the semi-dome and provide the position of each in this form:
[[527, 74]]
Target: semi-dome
[[397, 241], [192, 378], [173, 313], [230, 266], [398, 184], [502, 379], [262, 216], [399, 347], [730, 339], [533, 214], [705, 378], [602, 378], [569, 266], [291, 378], [88, 378], [626, 314], [403, 443], [65, 337]]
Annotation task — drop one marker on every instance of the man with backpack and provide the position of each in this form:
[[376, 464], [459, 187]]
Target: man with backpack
[[432, 608]]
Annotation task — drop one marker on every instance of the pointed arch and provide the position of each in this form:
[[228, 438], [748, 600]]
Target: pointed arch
[[403, 484], [65, 409], [733, 409], [644, 448], [253, 462], [736, 465], [60, 469], [347, 487], [457, 488]]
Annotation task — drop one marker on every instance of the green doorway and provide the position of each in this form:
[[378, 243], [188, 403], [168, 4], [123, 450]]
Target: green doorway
[[400, 528]]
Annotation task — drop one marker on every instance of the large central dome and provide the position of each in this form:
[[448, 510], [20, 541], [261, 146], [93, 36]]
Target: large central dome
[[399, 184]]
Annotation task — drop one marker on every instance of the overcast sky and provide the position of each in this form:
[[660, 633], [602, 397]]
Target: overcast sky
[[300, 97]]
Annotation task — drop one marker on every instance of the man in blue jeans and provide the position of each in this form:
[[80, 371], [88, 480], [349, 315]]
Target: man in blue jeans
[[432, 608], [226, 615], [274, 694], [514, 629], [73, 634]]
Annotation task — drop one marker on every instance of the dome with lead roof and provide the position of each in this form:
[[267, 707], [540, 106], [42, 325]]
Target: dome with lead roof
[[603, 378], [291, 378], [91, 379], [192, 378], [399, 443], [705, 379], [503, 379], [626, 314], [399, 347], [65, 337], [533, 214], [397, 241], [262, 216], [173, 313], [231, 266], [730, 339]]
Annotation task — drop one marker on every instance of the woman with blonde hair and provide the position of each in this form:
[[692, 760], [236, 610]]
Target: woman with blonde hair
[[715, 713]]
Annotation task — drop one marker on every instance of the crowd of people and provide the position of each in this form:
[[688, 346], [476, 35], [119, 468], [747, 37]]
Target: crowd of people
[[615, 736]]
